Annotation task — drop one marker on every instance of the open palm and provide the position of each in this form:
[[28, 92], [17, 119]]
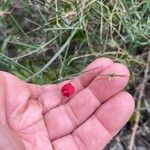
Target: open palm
[[37, 117]]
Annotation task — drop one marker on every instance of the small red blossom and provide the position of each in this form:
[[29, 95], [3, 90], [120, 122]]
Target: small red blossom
[[68, 90]]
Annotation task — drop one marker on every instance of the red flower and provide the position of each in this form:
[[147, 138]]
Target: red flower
[[68, 90]]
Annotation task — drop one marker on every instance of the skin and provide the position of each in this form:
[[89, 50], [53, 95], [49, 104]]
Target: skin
[[37, 117]]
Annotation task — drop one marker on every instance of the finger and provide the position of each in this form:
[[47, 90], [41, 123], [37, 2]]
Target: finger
[[115, 113], [50, 96], [100, 128], [87, 75], [67, 117], [103, 87]]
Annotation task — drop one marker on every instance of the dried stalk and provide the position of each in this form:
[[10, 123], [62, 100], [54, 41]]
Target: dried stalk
[[142, 88]]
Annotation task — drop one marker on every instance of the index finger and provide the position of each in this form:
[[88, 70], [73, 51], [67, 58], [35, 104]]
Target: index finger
[[87, 75], [51, 96]]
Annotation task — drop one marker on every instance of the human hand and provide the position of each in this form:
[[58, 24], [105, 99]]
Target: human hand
[[37, 117]]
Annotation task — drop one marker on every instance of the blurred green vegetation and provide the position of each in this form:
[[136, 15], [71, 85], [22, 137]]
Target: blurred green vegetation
[[46, 40]]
